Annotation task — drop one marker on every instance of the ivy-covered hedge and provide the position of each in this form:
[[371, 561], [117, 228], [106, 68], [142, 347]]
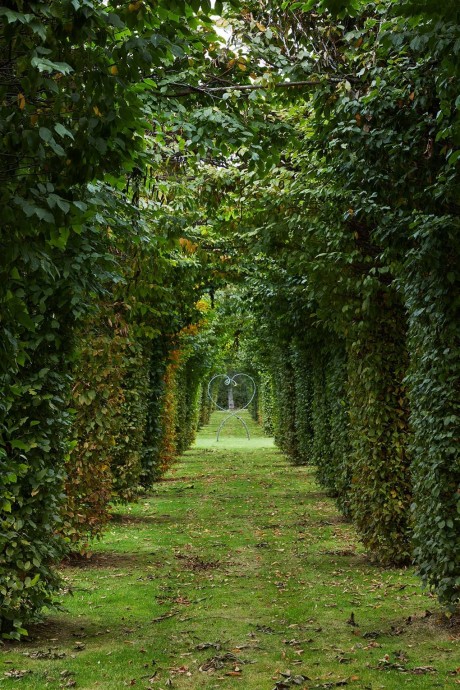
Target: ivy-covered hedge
[[380, 462], [432, 280], [284, 416], [42, 295], [336, 474], [266, 402], [126, 460], [302, 371], [97, 400], [151, 469]]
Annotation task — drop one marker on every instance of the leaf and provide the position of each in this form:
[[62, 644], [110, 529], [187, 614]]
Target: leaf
[[45, 134], [454, 156], [63, 131], [43, 215], [44, 65], [13, 16]]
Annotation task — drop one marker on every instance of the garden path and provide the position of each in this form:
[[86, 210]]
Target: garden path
[[235, 571]]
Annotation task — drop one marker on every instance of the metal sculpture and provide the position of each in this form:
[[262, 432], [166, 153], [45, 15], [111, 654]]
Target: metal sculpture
[[231, 381]]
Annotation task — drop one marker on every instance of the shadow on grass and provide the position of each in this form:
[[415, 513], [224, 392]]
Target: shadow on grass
[[108, 560], [314, 521], [126, 520], [167, 480], [56, 631]]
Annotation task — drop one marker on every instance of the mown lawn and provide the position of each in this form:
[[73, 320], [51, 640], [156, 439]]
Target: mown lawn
[[236, 571]]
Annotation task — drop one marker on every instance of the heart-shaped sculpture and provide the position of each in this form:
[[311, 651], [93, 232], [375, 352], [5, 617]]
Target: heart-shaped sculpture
[[231, 381]]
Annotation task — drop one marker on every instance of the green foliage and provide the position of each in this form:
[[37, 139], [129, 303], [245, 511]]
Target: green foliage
[[205, 404], [303, 373], [76, 100], [97, 399], [35, 422], [266, 402], [284, 418], [355, 229], [117, 197], [126, 463], [336, 474], [151, 462], [380, 478], [435, 407]]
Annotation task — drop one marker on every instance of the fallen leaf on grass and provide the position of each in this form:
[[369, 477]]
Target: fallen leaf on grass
[[164, 617], [16, 673], [372, 634], [288, 680], [342, 659], [180, 670], [297, 643], [421, 670], [218, 662], [42, 654], [209, 645], [265, 629]]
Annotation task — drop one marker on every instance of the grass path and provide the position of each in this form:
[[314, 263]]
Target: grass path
[[234, 571]]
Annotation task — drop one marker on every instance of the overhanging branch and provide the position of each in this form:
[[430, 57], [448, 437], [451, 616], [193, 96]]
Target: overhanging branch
[[205, 90]]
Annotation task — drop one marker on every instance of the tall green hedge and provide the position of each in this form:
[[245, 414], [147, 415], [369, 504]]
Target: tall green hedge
[[302, 372], [336, 476], [96, 401], [42, 295], [380, 482], [432, 288], [284, 417], [126, 460], [266, 402], [153, 433]]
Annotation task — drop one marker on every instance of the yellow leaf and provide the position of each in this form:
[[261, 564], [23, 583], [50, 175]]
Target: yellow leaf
[[242, 66], [134, 6], [412, 96], [261, 27], [21, 101], [114, 70], [97, 111]]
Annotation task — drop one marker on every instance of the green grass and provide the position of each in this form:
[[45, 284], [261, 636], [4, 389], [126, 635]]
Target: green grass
[[238, 550]]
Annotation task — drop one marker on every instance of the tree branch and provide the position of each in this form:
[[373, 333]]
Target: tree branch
[[249, 87]]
